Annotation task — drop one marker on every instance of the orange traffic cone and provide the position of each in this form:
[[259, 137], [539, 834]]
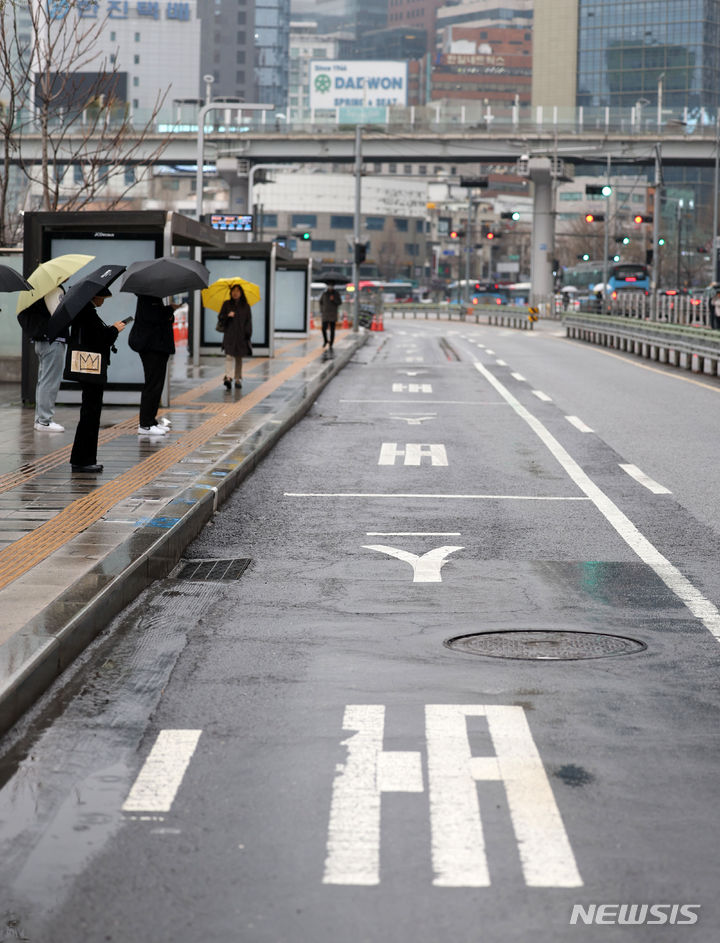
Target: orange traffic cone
[[381, 322], [312, 323], [345, 322], [373, 323]]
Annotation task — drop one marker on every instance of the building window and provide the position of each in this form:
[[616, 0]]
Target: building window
[[341, 222], [412, 248], [137, 37], [136, 59], [304, 219], [392, 168], [571, 195], [240, 78], [240, 57], [113, 37], [407, 170], [136, 102], [242, 18], [375, 223], [269, 220], [241, 37], [136, 81], [129, 176], [323, 245], [422, 170], [401, 224]]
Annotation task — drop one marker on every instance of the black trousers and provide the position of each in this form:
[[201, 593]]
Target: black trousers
[[155, 367], [328, 327], [84, 450]]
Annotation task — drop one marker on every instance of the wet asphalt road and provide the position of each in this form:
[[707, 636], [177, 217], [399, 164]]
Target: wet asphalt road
[[344, 775]]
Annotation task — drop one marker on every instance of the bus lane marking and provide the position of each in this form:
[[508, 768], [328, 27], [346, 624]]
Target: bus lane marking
[[412, 388], [413, 453], [458, 852], [426, 567], [700, 607]]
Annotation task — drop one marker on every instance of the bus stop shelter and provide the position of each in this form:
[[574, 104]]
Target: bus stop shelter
[[117, 237]]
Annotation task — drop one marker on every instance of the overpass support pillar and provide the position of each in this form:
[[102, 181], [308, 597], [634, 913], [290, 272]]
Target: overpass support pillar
[[234, 172], [541, 278]]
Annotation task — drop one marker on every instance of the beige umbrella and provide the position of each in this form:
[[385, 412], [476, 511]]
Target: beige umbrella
[[48, 275]]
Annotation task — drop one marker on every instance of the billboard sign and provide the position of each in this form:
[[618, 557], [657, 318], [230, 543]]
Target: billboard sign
[[337, 83]]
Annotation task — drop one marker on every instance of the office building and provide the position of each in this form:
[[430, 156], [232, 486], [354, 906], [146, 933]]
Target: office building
[[228, 48], [306, 44], [616, 53]]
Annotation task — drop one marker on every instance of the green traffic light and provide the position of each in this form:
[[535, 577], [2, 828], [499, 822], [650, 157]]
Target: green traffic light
[[661, 241], [306, 236], [626, 240], [606, 190], [586, 257]]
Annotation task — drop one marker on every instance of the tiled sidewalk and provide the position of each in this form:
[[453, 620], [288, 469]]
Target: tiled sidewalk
[[74, 549]]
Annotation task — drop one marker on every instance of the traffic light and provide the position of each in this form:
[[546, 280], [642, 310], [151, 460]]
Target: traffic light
[[623, 240], [594, 217], [360, 252], [661, 241], [649, 256], [642, 219], [493, 235], [511, 214], [456, 234], [585, 257], [592, 189], [304, 235]]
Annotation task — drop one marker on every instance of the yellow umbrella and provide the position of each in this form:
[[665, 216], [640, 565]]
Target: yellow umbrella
[[214, 295], [49, 275]]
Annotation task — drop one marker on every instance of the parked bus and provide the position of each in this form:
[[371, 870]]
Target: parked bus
[[480, 293]]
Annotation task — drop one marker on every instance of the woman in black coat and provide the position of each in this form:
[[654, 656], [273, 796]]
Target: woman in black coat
[[88, 332], [152, 337], [235, 320]]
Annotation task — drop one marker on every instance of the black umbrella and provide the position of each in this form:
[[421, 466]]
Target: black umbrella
[[79, 295], [11, 281], [332, 278], [165, 276]]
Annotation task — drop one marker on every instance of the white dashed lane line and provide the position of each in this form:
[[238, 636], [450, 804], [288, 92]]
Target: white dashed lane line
[[645, 480], [578, 423]]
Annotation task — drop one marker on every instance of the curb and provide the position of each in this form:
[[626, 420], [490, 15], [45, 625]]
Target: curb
[[49, 642]]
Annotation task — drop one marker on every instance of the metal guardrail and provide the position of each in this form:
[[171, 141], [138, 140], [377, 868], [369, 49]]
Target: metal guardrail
[[690, 348], [671, 309], [502, 316]]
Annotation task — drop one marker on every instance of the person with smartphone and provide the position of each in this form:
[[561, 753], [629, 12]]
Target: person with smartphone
[[152, 338]]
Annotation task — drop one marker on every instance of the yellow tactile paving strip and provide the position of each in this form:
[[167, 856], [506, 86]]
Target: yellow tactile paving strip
[[61, 456], [36, 546]]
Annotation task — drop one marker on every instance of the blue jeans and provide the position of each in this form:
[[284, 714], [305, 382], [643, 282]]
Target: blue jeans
[[51, 363]]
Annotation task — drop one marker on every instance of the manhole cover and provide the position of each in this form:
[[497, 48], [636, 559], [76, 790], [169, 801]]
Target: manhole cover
[[212, 570], [545, 646]]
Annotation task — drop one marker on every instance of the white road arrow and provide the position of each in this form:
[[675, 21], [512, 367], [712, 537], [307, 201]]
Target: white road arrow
[[414, 420], [426, 568]]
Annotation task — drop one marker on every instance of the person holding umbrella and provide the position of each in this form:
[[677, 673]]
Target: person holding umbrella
[[88, 334], [235, 321], [329, 302], [152, 337], [35, 307]]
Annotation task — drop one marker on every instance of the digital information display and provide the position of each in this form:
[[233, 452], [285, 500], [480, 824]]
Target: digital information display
[[232, 222]]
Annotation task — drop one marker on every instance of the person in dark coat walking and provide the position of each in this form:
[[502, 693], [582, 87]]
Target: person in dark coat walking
[[88, 332], [330, 302], [235, 319], [152, 337]]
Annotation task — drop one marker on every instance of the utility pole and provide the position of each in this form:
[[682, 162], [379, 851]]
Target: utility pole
[[657, 208], [606, 240], [356, 227]]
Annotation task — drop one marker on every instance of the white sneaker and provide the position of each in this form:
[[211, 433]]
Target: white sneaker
[[48, 427], [152, 430], [164, 422]]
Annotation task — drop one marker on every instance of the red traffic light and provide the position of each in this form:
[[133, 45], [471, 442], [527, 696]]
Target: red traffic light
[[454, 234], [594, 217], [637, 219], [490, 235]]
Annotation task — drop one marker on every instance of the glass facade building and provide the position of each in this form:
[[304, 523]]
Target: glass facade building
[[629, 49], [272, 40]]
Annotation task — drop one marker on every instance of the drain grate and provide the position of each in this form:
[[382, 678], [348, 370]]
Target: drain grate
[[545, 646], [212, 570]]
